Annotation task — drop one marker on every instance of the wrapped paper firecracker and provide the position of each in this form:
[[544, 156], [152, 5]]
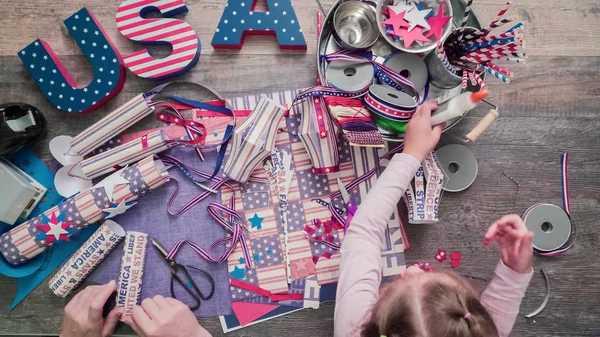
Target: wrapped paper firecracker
[[111, 197]]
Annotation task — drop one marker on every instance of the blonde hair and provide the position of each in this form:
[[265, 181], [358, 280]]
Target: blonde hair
[[442, 306]]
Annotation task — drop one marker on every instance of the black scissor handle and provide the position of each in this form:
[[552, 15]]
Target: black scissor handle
[[208, 277], [174, 277]]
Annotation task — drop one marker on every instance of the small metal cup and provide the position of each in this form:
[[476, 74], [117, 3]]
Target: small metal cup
[[355, 25]]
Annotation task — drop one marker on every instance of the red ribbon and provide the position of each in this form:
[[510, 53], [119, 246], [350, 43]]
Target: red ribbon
[[266, 293], [197, 129]]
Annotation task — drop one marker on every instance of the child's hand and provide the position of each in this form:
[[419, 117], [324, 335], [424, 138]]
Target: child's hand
[[514, 240], [420, 138]]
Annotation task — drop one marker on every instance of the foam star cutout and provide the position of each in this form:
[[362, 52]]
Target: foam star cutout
[[54, 228], [437, 23], [414, 35], [238, 273], [118, 209], [416, 17], [396, 21], [241, 260], [256, 221], [109, 184], [402, 7], [256, 257]]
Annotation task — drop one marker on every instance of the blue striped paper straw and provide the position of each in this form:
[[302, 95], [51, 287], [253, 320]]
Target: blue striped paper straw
[[488, 44], [496, 74]]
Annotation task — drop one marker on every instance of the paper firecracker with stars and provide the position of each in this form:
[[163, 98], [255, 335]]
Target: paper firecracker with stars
[[54, 228], [54, 81], [239, 19]]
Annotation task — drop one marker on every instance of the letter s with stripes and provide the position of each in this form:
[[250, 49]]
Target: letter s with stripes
[[179, 34]]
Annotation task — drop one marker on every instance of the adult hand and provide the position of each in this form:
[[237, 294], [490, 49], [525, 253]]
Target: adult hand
[[164, 317], [83, 314], [514, 240], [420, 138]]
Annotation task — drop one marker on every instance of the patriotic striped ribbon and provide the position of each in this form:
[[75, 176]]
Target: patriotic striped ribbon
[[387, 110], [564, 164], [265, 292], [231, 220], [328, 240], [197, 131]]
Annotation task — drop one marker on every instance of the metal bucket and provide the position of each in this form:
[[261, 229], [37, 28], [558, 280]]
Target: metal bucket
[[438, 74], [355, 25]]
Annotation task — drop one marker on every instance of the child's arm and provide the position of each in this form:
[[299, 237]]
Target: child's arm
[[502, 298], [360, 266]]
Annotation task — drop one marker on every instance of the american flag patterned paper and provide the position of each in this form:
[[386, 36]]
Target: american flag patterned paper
[[177, 33], [263, 218], [58, 86], [19, 244]]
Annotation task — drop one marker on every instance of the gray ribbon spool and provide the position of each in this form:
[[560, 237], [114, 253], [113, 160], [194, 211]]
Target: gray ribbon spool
[[459, 165], [393, 96], [410, 66], [551, 226], [349, 76]]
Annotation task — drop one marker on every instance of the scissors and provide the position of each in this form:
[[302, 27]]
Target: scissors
[[190, 285], [350, 206]]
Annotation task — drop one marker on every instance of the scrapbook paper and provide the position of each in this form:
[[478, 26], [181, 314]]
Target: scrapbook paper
[[150, 216]]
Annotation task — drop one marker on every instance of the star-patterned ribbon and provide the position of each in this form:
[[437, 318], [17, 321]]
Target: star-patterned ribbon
[[231, 220]]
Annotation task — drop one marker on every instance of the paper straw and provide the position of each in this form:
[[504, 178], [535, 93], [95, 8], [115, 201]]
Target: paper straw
[[86, 258], [113, 124], [500, 69], [488, 44], [500, 14], [129, 288], [446, 64], [514, 59], [20, 244], [496, 74], [465, 76], [480, 82], [472, 78], [467, 13], [519, 26], [127, 153], [488, 38], [486, 30], [319, 23]]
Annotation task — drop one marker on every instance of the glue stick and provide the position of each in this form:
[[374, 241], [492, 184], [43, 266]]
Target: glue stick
[[457, 106]]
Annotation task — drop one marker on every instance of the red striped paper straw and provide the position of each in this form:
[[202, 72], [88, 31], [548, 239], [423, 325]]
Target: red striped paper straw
[[465, 75], [501, 13], [493, 37], [500, 69], [480, 82], [472, 78], [319, 23]]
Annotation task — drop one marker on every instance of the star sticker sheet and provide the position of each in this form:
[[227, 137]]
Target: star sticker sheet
[[307, 198]]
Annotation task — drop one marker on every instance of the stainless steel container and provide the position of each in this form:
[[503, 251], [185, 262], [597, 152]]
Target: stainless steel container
[[355, 25]]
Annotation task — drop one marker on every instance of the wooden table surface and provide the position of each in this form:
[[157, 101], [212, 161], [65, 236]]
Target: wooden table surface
[[548, 109]]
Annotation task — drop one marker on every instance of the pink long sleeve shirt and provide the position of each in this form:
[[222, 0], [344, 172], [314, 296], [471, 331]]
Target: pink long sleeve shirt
[[361, 265]]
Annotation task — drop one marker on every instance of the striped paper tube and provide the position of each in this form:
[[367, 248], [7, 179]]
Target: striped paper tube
[[318, 133], [20, 244], [129, 288], [488, 38], [86, 258], [127, 153], [446, 64], [113, 124], [480, 82], [465, 76], [472, 78], [514, 59], [518, 26], [253, 140], [500, 69], [501, 13], [497, 74], [467, 13], [486, 30], [488, 44]]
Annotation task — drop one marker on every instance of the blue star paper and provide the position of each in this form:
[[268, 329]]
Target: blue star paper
[[256, 221], [237, 273], [54, 81], [239, 20]]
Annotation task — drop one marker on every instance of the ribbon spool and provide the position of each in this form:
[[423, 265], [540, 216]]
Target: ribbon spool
[[349, 75], [459, 165], [391, 108], [408, 65], [551, 227]]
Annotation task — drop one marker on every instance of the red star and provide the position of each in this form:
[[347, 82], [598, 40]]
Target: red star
[[45, 227], [396, 21], [416, 34], [437, 23]]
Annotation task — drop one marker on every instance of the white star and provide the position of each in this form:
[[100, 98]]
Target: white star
[[110, 182], [293, 21], [258, 21], [234, 30], [92, 55], [103, 58], [49, 93], [76, 16], [105, 46], [36, 43], [99, 80], [119, 209], [112, 71], [276, 4], [84, 89], [268, 13], [85, 31], [94, 103], [243, 21], [218, 30], [225, 38], [22, 52], [43, 68], [41, 80], [114, 60], [93, 44], [34, 54], [227, 21], [243, 4], [69, 110], [96, 92], [60, 96], [96, 32], [82, 100], [234, 13], [63, 85], [87, 19], [72, 98], [45, 57], [251, 12], [416, 17], [284, 30], [292, 38], [54, 71], [284, 13], [74, 28], [101, 69], [109, 82], [276, 21], [32, 66]]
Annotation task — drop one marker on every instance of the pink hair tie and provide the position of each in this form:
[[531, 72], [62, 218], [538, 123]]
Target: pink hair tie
[[467, 315]]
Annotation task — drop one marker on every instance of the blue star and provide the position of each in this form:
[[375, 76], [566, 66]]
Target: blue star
[[238, 273], [256, 257], [268, 252], [241, 260], [100, 251], [256, 221]]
